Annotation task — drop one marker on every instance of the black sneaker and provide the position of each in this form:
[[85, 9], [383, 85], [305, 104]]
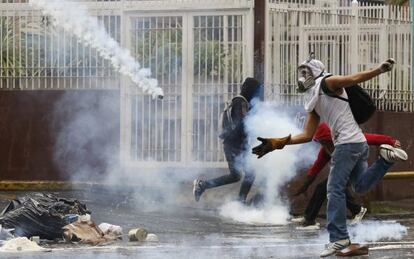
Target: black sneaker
[[198, 189]]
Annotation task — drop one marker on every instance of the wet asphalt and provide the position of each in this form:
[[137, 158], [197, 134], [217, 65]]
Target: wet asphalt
[[187, 231]]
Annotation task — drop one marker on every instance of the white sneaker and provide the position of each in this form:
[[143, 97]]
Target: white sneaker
[[297, 220], [332, 248], [358, 217], [392, 154], [315, 226]]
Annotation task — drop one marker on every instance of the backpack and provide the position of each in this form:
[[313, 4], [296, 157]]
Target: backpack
[[362, 105], [226, 124]]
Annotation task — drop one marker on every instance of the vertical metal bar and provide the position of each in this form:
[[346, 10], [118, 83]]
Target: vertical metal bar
[[155, 113], [164, 63], [173, 87], [187, 88]]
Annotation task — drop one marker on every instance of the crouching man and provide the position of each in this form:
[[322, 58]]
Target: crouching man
[[349, 160]]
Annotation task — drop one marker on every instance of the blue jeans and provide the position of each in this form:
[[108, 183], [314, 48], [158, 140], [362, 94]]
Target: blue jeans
[[349, 164]]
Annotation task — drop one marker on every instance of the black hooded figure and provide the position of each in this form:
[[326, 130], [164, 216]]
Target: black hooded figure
[[234, 144]]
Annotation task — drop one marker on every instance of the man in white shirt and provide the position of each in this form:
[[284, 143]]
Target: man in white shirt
[[349, 160]]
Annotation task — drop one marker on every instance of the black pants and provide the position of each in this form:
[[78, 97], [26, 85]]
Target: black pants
[[319, 197], [235, 175]]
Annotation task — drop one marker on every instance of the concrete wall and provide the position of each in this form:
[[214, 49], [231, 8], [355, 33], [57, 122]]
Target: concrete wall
[[30, 126], [31, 123]]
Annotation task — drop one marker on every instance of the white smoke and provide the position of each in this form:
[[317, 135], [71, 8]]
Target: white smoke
[[75, 19], [369, 231], [372, 231], [274, 214], [273, 170]]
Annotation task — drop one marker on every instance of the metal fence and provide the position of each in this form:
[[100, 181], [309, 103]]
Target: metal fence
[[348, 38], [200, 54], [35, 55]]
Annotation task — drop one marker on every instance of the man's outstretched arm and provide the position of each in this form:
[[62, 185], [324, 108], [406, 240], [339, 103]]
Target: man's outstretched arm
[[270, 144]]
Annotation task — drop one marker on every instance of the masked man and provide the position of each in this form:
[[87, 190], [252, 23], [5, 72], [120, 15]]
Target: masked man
[[323, 137], [349, 160], [234, 143]]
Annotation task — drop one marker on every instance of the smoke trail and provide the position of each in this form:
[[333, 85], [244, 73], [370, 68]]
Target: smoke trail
[[274, 170], [75, 19]]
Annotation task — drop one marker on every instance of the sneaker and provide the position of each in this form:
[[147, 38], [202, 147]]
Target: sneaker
[[309, 225], [392, 154], [334, 247], [358, 217], [198, 189], [297, 220], [315, 226]]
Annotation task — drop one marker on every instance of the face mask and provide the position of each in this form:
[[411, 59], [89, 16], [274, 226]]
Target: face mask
[[306, 79]]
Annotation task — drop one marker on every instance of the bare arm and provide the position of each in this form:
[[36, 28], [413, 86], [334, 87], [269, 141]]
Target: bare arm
[[312, 122], [335, 83], [270, 144]]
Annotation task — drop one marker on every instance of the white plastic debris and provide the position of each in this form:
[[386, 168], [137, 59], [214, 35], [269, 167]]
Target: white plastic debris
[[6, 233], [85, 217], [152, 238], [110, 229], [21, 244]]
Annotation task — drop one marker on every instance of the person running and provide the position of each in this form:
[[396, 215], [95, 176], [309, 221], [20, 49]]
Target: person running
[[349, 160], [234, 144], [323, 137]]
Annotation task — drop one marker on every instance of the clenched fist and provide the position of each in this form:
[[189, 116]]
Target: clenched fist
[[387, 65], [269, 144]]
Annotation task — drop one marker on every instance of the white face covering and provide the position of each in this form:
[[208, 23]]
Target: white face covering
[[306, 79]]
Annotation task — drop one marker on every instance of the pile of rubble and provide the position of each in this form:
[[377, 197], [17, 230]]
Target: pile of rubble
[[27, 220]]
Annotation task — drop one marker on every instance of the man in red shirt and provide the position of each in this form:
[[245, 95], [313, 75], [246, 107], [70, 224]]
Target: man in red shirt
[[323, 136]]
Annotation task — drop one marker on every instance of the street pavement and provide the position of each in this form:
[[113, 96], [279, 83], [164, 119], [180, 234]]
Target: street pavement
[[187, 231]]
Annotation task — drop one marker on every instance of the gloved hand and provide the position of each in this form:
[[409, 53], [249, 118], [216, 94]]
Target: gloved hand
[[269, 144], [387, 65], [309, 180]]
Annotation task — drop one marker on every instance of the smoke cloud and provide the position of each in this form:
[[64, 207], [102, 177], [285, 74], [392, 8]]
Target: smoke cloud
[[75, 19], [372, 231], [274, 170]]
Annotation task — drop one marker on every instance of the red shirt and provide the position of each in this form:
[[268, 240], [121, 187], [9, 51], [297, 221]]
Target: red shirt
[[324, 134]]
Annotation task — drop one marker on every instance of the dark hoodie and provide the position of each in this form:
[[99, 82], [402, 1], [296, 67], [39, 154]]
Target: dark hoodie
[[249, 90]]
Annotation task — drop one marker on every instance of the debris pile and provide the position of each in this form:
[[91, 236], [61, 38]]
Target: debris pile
[[41, 216]]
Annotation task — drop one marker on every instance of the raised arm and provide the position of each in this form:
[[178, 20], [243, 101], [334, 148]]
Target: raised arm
[[335, 83]]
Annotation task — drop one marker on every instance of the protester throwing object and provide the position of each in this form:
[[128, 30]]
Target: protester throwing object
[[338, 101]]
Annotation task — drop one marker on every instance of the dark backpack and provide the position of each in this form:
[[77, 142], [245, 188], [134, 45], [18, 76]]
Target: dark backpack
[[362, 105], [227, 126]]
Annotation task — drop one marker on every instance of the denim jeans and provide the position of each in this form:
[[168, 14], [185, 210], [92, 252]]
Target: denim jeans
[[236, 172], [319, 197], [349, 163]]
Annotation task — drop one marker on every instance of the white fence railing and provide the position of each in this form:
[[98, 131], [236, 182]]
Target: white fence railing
[[347, 38], [200, 54]]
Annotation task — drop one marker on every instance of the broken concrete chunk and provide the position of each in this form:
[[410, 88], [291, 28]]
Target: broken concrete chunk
[[137, 234], [86, 232], [35, 239], [109, 229], [21, 244]]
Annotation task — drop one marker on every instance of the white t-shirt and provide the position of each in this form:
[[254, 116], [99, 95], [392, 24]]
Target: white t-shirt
[[336, 113]]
